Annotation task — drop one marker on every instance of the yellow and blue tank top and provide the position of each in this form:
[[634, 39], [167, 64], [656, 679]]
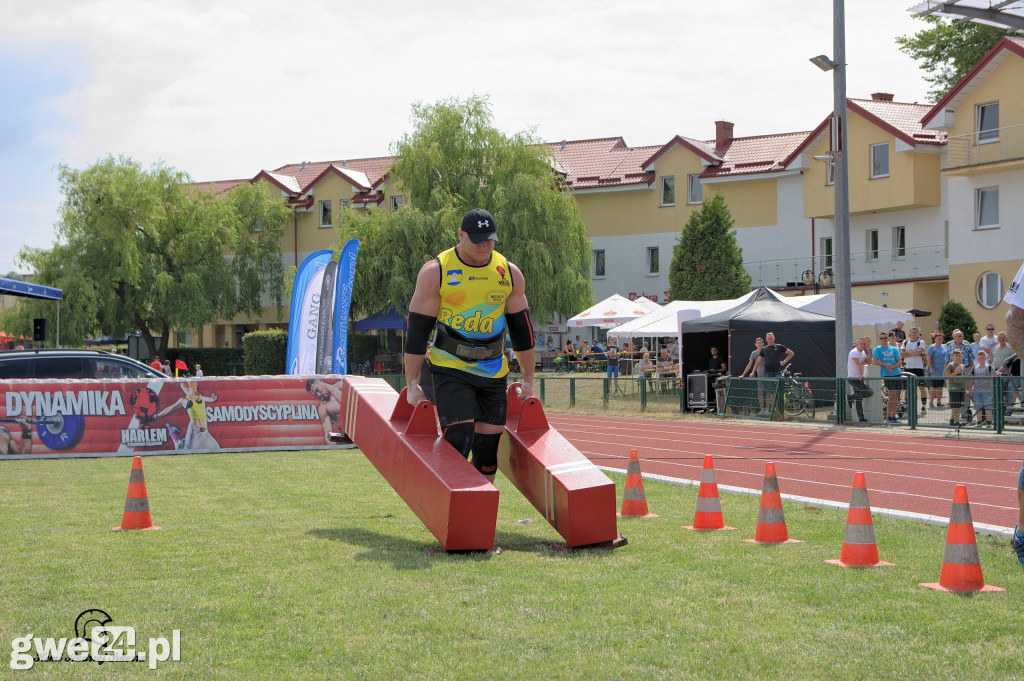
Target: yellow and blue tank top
[[196, 410], [473, 307]]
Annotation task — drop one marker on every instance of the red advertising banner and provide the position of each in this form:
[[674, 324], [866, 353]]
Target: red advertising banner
[[58, 419]]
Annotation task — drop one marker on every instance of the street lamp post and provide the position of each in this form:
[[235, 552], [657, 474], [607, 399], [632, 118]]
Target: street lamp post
[[841, 260]]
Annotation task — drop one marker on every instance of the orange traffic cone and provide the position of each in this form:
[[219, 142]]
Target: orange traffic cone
[[771, 522], [136, 504], [634, 501], [859, 547], [961, 567], [708, 515]]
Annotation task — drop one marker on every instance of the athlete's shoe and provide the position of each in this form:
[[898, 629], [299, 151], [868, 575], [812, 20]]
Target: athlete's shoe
[[1017, 542]]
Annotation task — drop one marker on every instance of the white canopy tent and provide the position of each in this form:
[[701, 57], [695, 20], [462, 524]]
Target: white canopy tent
[[662, 322], [613, 311], [864, 314]]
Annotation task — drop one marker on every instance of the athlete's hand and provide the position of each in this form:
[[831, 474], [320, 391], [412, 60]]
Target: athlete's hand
[[525, 391], [414, 394]]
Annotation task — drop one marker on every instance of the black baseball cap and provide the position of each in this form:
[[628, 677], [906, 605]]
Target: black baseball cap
[[479, 225]]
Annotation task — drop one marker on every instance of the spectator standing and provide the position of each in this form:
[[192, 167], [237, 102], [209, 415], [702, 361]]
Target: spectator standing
[[981, 390], [954, 373], [913, 351], [157, 364], [989, 340], [855, 363], [936, 330], [199, 370], [888, 358], [966, 353], [976, 344], [613, 362], [937, 360], [774, 356], [899, 333], [570, 356], [749, 369], [1001, 354]]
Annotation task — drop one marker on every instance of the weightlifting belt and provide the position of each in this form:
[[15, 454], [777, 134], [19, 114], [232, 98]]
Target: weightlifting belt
[[467, 350]]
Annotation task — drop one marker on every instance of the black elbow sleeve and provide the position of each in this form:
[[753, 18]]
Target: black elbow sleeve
[[419, 328], [520, 330]]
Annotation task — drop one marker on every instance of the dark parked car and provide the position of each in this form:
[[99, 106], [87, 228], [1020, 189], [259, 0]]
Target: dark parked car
[[58, 363]]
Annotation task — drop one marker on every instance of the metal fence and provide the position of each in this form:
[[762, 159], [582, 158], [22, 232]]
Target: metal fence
[[991, 404]]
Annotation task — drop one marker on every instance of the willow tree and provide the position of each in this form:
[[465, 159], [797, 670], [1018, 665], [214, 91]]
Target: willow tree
[[148, 251], [455, 160]]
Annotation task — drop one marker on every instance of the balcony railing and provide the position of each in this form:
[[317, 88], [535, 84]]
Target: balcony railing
[[923, 262], [989, 146]]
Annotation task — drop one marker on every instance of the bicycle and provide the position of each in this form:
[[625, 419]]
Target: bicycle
[[796, 395]]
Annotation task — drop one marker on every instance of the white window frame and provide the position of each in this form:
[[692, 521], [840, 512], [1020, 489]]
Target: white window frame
[[979, 202], [396, 203], [871, 245], [653, 261], [599, 257], [326, 204], [827, 253], [693, 184], [899, 242], [989, 134], [990, 286], [872, 160], [830, 173], [668, 190]]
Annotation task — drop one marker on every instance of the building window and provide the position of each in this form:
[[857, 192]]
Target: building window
[[325, 214], [396, 203], [598, 263], [988, 123], [830, 172], [826, 252], [872, 245], [986, 213], [880, 160], [257, 226], [693, 191], [668, 191], [899, 243], [990, 290], [653, 263]]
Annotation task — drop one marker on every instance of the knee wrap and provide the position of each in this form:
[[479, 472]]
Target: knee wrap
[[485, 452], [460, 436]]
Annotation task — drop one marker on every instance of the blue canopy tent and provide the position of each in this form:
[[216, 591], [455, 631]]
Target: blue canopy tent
[[13, 287], [389, 318]]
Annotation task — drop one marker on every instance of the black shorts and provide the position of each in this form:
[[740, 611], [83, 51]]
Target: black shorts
[[461, 396], [936, 382], [894, 384], [916, 372]]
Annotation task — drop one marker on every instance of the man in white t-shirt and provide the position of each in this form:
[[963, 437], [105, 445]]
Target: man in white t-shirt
[[855, 363], [913, 351], [1015, 336], [987, 341]]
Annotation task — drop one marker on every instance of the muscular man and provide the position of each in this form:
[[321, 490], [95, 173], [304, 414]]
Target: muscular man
[[8, 445], [470, 295], [329, 408], [1015, 336]]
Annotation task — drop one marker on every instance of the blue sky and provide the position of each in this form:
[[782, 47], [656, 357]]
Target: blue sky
[[224, 89]]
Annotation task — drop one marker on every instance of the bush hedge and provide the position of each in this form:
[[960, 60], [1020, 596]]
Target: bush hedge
[[265, 352], [215, 361]]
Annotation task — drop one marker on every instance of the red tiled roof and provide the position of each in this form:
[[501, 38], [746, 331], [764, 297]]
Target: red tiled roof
[[600, 162], [760, 154], [220, 187], [1013, 44], [901, 119]]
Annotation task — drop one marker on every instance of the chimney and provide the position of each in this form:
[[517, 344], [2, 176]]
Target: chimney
[[564, 144], [723, 133], [881, 96], [303, 166]]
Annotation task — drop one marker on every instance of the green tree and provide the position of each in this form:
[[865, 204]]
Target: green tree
[[955, 316], [148, 250], [948, 50], [706, 262], [456, 160]]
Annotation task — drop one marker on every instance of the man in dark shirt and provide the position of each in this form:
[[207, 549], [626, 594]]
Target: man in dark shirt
[[899, 333], [716, 365], [774, 356]]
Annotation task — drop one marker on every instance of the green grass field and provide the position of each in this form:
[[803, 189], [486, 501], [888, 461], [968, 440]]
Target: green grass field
[[306, 565]]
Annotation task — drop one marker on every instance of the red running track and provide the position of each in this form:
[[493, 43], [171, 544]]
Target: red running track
[[914, 473]]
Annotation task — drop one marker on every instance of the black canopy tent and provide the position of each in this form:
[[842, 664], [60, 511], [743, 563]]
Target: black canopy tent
[[13, 287], [810, 336]]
